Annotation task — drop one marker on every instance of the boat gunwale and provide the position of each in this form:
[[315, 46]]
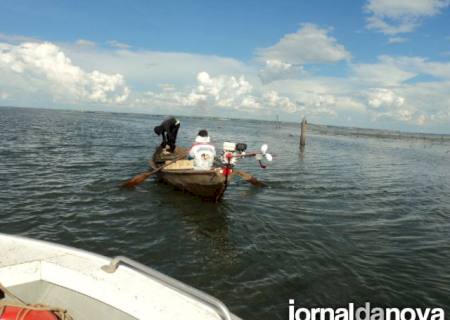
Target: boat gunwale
[[214, 171], [62, 250], [191, 180]]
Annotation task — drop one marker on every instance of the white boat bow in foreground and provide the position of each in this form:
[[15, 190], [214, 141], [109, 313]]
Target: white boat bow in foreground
[[91, 286]]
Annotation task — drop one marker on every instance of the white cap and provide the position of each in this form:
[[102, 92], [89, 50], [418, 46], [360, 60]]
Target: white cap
[[201, 139]]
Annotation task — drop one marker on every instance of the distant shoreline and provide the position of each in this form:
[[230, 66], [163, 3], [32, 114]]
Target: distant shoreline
[[314, 127], [378, 133]]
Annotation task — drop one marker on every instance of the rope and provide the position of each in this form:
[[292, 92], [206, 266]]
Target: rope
[[27, 308], [9, 293]]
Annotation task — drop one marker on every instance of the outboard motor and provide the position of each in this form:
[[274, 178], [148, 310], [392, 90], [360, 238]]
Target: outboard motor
[[231, 151]]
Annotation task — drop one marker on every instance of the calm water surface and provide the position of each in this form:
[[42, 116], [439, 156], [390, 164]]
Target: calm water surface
[[354, 218]]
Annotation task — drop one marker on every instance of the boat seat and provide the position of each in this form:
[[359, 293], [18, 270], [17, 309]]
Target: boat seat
[[180, 165]]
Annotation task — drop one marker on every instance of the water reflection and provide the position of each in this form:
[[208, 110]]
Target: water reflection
[[302, 152], [206, 220]]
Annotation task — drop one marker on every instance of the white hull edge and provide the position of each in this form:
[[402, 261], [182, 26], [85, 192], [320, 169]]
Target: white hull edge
[[141, 296]]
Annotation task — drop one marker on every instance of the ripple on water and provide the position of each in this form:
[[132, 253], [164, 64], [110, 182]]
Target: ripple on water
[[351, 219]]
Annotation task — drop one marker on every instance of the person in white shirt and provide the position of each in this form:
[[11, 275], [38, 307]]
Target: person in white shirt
[[202, 151]]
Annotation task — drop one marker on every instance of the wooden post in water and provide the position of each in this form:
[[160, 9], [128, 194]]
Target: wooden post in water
[[303, 127]]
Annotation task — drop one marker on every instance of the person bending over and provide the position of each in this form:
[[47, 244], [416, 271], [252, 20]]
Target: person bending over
[[169, 130]]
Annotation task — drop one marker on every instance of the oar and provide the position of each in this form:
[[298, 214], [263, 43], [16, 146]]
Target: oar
[[249, 178], [143, 176]]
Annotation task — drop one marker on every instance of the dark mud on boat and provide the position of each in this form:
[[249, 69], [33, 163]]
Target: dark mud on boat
[[355, 218]]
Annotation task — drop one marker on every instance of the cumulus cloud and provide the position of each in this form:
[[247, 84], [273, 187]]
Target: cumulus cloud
[[118, 44], [273, 100], [419, 65], [384, 98], [391, 90], [274, 83], [415, 102], [400, 8], [381, 74], [276, 70], [16, 39], [392, 71], [376, 91], [144, 69], [44, 66], [430, 101], [395, 40], [318, 97], [390, 104], [385, 26], [223, 92], [310, 44], [85, 43], [401, 16]]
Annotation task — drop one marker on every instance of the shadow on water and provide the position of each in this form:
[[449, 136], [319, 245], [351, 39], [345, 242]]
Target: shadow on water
[[200, 221], [203, 219]]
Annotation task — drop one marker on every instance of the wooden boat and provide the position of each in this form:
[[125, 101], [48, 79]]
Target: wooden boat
[[207, 184], [83, 286]]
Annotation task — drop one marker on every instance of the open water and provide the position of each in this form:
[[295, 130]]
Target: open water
[[359, 215]]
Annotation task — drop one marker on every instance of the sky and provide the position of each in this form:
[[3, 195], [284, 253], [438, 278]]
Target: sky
[[368, 63]]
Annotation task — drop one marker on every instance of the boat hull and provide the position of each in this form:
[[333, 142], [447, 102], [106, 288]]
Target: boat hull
[[206, 184]]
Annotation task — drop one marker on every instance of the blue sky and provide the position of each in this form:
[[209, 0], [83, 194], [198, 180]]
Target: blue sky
[[372, 63]]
